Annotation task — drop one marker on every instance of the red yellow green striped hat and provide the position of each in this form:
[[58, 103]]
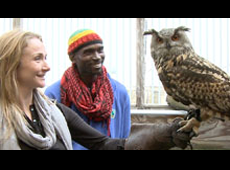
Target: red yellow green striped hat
[[82, 38]]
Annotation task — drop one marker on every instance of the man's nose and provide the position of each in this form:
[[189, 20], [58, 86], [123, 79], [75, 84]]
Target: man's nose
[[96, 56]]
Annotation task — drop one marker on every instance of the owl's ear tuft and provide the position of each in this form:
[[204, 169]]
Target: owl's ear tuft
[[150, 32], [182, 28]]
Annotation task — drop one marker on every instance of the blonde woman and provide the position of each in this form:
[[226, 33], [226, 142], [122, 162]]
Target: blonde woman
[[29, 120]]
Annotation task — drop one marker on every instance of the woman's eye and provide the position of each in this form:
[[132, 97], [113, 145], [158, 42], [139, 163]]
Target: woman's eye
[[37, 58]]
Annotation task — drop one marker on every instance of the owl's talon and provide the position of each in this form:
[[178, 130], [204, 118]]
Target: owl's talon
[[193, 113], [190, 125], [179, 130], [183, 123]]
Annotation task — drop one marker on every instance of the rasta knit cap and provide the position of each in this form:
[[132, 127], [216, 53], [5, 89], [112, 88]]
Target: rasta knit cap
[[82, 38]]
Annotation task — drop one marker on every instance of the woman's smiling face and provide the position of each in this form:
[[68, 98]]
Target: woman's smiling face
[[33, 66]]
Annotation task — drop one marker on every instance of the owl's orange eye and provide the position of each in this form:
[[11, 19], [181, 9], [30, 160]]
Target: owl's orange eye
[[175, 37], [159, 40]]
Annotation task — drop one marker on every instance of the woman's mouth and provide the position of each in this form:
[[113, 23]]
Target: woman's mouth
[[41, 76]]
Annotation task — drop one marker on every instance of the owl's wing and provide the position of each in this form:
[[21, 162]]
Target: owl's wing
[[193, 80]]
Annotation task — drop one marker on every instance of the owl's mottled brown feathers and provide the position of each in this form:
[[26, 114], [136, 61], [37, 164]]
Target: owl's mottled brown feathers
[[187, 77], [192, 80]]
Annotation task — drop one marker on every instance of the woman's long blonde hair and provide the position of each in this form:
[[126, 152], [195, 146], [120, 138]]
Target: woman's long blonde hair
[[12, 45]]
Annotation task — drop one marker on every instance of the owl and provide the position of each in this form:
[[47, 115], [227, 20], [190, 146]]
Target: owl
[[188, 78]]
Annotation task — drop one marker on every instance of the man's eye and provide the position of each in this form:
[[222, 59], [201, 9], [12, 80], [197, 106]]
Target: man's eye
[[88, 52], [101, 50]]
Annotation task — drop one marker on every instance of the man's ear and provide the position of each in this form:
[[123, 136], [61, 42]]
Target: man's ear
[[71, 57]]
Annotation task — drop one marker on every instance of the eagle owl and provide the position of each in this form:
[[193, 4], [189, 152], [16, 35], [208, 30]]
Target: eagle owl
[[189, 78]]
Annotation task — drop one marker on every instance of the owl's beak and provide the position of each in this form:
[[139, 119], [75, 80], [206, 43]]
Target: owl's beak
[[168, 46]]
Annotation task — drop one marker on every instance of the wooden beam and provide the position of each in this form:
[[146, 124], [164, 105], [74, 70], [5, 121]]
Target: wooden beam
[[140, 63], [17, 23]]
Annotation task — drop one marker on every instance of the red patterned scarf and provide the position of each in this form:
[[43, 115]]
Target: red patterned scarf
[[97, 104]]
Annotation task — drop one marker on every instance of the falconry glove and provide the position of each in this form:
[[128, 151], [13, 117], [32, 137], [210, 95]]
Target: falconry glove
[[157, 137]]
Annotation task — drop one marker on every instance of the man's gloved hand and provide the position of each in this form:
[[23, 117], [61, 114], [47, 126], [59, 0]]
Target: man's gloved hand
[[157, 137]]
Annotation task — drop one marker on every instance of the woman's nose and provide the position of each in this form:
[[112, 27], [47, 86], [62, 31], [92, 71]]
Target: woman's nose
[[46, 66]]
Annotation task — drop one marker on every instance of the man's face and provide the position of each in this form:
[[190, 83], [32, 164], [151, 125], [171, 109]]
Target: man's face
[[89, 60]]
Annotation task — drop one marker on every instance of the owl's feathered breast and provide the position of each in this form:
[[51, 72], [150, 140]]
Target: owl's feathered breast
[[191, 79]]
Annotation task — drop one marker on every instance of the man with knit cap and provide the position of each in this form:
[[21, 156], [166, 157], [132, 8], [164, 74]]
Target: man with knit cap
[[102, 102], [88, 89]]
